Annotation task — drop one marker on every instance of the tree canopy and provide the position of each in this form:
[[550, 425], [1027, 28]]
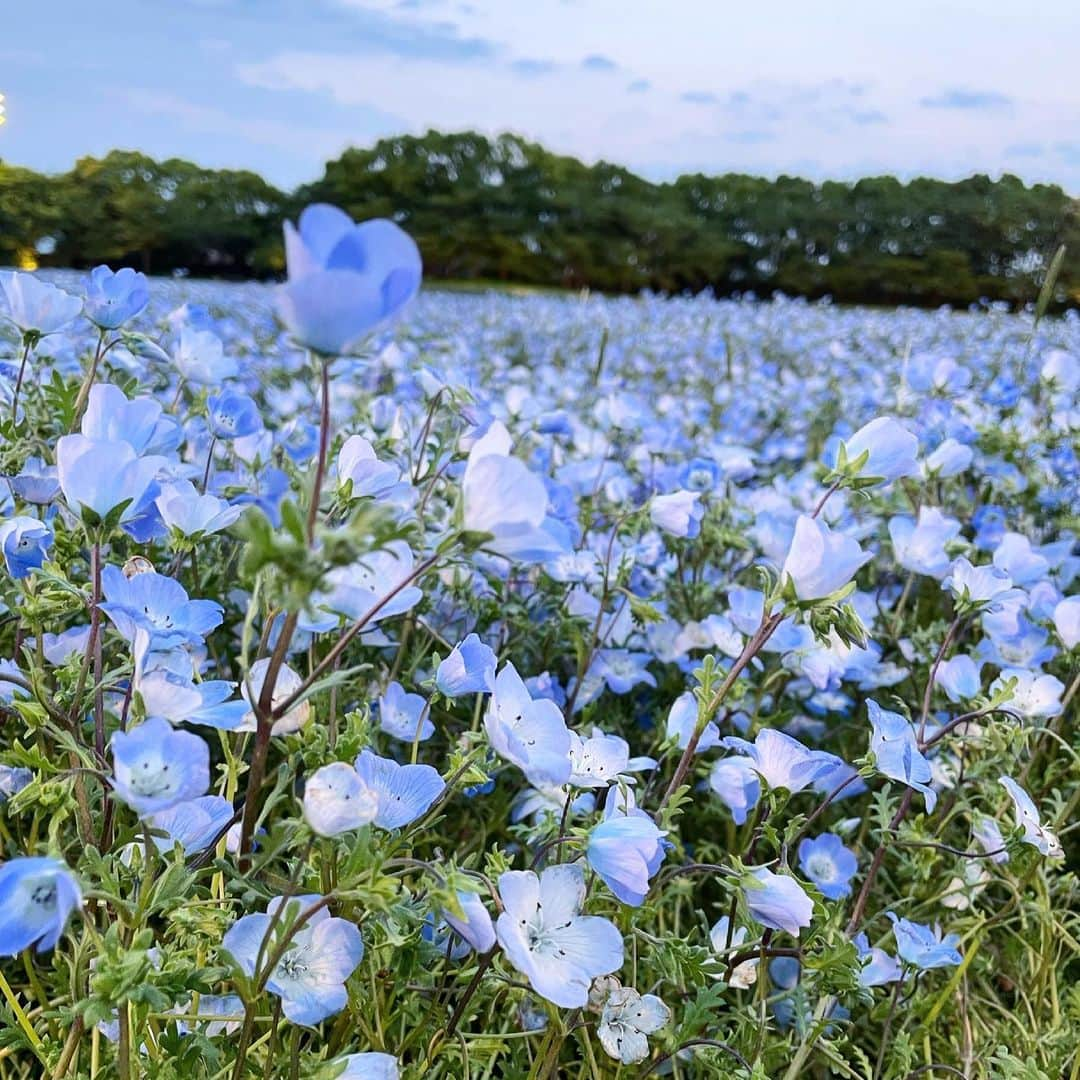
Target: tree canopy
[[506, 209]]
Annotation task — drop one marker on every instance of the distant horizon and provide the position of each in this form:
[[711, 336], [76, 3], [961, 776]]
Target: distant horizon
[[842, 91]]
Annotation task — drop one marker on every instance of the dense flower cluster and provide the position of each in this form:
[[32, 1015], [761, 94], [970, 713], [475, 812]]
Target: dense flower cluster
[[483, 685]]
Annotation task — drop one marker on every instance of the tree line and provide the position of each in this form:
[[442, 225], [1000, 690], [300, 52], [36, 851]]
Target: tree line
[[505, 209]]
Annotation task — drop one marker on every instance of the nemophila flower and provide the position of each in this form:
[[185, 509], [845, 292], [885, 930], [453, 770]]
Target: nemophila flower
[[746, 608], [113, 299], [678, 514], [920, 547], [404, 792], [59, 647], [35, 306], [155, 767], [743, 975], [12, 780], [111, 416], [100, 476], [1034, 696], [311, 974], [735, 780], [819, 561], [895, 747], [597, 760], [336, 800], [369, 1066], [36, 482], [158, 605], [501, 496], [977, 585], [777, 901], [469, 669], [544, 936], [878, 967], [892, 451], [625, 1022], [987, 834], [25, 542], [1067, 621], [200, 358], [358, 464], [285, 685], [959, 677], [924, 947], [191, 513], [232, 416], [345, 279], [538, 800], [682, 720], [37, 897], [828, 864], [473, 925], [178, 699], [622, 670], [626, 850], [404, 716], [529, 734], [950, 459], [1015, 555], [194, 825], [780, 760], [1027, 818]]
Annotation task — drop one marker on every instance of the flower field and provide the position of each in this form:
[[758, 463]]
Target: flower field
[[404, 683]]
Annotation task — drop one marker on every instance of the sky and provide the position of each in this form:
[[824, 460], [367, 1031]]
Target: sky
[[835, 89]]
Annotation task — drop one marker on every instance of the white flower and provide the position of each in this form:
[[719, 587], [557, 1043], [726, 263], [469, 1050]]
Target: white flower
[[627, 1018]]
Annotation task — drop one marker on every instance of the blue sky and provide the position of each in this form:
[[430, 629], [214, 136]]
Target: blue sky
[[835, 88]]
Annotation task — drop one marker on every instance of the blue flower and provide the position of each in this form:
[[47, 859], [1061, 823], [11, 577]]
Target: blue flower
[[404, 792], [344, 279], [13, 779], [200, 357], [924, 947], [111, 416], [97, 477], [682, 720], [626, 850], [359, 465], [37, 897], [959, 677], [155, 767], [546, 938], [157, 605], [819, 561], [114, 299], [36, 483], [920, 546], [1027, 818], [780, 760], [678, 514], [35, 306], [777, 901], [25, 542], [878, 967], [232, 416], [191, 513], [369, 1066], [404, 716], [895, 747], [892, 451], [473, 924], [736, 781], [469, 669], [180, 700], [336, 800], [194, 825], [828, 864], [310, 976]]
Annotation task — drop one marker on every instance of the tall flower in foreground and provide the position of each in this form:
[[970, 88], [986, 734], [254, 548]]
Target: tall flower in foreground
[[114, 298], [36, 307], [891, 450], [37, 896], [546, 938], [310, 976], [344, 279], [819, 561]]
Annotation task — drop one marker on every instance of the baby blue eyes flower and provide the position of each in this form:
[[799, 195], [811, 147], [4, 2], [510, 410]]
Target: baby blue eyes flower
[[13, 779], [194, 825], [678, 514], [736, 781], [626, 850], [544, 936], [156, 767], [923, 947], [682, 720], [920, 547], [878, 967], [828, 864], [1017, 558], [892, 450], [370, 1066], [474, 924], [336, 800], [777, 901], [819, 561], [1067, 621], [34, 306], [344, 279], [625, 1021], [158, 605], [97, 477], [180, 700], [37, 897], [469, 669], [232, 416], [25, 542], [114, 299], [36, 483], [358, 464], [183, 508], [780, 760], [950, 459], [311, 974], [1027, 818], [527, 733], [977, 585], [403, 792], [598, 760], [895, 747], [959, 678], [200, 358], [404, 716]]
